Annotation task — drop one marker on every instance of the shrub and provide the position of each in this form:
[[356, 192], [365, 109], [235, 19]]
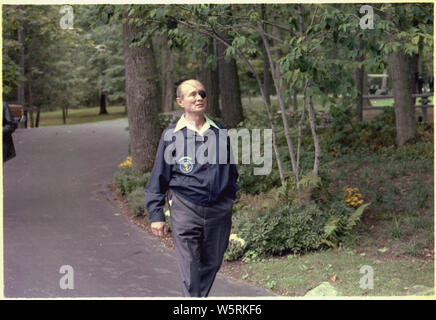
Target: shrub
[[136, 201], [127, 180], [282, 227], [253, 184], [341, 220], [131, 183], [166, 119], [235, 249], [347, 135], [294, 228]]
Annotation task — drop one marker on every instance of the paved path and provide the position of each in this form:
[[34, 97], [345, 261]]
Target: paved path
[[58, 210]]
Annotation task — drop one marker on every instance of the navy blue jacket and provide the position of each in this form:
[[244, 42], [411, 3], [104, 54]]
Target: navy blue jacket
[[188, 173]]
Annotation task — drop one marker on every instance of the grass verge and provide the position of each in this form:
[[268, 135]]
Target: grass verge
[[296, 275], [78, 116]]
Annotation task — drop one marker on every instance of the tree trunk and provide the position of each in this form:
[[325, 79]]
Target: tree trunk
[[312, 122], [277, 52], [414, 65], [300, 125], [209, 78], [169, 81], [64, 117], [384, 80], [31, 117], [266, 73], [359, 85], [37, 117], [30, 99], [161, 54], [311, 111], [276, 80], [103, 109], [403, 86], [295, 99], [21, 83], [362, 85], [231, 105], [143, 101], [366, 101]]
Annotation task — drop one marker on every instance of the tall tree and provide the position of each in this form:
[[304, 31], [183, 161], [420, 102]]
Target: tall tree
[[410, 26], [143, 98], [21, 83], [209, 76], [165, 60], [230, 92], [403, 83], [169, 82], [266, 72]]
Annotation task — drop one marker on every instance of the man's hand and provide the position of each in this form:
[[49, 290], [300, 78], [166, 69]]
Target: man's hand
[[159, 228]]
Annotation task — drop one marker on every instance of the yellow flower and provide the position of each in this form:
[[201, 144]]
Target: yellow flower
[[127, 163], [233, 237], [352, 197]]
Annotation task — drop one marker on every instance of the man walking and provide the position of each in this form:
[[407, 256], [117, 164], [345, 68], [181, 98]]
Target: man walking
[[200, 193]]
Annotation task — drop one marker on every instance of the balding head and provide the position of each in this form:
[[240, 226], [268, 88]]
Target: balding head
[[192, 83]]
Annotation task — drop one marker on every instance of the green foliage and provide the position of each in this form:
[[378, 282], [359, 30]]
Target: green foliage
[[252, 184], [295, 228], [127, 180], [413, 248], [347, 135], [420, 194], [279, 229], [166, 119], [396, 230], [64, 67], [340, 223], [410, 152], [136, 201], [234, 251], [131, 184]]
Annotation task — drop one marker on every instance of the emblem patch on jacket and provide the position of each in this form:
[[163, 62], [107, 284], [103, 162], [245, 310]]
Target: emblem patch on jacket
[[185, 164]]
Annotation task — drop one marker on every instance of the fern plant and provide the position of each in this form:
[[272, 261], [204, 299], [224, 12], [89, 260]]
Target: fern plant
[[338, 226]]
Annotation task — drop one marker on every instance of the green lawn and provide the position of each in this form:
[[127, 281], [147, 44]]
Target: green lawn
[[77, 116], [295, 275], [390, 102]]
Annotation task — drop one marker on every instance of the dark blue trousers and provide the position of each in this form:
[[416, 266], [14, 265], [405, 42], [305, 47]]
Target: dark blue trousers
[[200, 235]]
